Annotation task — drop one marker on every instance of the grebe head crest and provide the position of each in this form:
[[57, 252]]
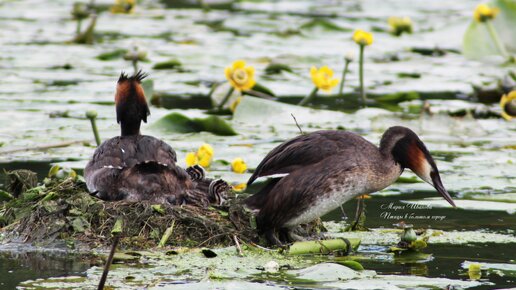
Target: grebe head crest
[[131, 104]]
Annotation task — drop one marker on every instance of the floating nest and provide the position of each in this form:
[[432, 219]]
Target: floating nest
[[61, 211]]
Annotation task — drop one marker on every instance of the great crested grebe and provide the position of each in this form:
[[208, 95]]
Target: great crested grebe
[[324, 169], [136, 167]]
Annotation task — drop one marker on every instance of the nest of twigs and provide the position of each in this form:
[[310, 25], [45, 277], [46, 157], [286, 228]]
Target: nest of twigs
[[61, 210]]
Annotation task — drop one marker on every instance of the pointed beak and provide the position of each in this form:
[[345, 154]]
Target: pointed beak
[[436, 181]]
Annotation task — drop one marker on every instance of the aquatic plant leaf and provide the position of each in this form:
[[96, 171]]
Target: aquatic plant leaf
[[477, 42], [4, 195], [352, 265], [169, 64], [179, 123], [112, 55], [324, 24], [398, 97], [80, 224], [118, 227], [158, 208], [148, 89], [276, 68], [263, 89]]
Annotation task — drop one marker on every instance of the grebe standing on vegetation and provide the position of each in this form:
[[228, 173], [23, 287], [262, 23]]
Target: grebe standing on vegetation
[[325, 169], [136, 167]]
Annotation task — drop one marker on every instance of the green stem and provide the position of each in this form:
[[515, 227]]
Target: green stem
[[95, 130], [135, 64], [361, 74], [78, 29], [226, 98], [496, 39], [344, 72], [309, 97]]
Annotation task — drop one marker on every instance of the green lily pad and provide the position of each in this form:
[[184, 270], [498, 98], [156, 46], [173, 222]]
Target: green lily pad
[[179, 123], [354, 265], [324, 24], [111, 55], [262, 89], [276, 68], [169, 64], [478, 43]]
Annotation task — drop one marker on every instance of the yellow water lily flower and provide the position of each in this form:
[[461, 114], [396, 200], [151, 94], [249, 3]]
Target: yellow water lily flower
[[323, 78], [240, 76], [191, 159], [123, 6], [362, 37], [235, 104], [508, 105], [474, 271], [238, 165], [399, 25], [205, 155], [239, 187], [483, 12]]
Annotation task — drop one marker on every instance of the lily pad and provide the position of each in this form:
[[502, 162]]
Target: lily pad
[[468, 204], [399, 282], [324, 24], [112, 55], [179, 123], [326, 272], [169, 64], [389, 237]]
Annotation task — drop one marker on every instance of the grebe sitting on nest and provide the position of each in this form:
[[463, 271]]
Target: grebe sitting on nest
[[136, 167]]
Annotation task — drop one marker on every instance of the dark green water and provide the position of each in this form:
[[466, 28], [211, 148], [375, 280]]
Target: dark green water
[[21, 265]]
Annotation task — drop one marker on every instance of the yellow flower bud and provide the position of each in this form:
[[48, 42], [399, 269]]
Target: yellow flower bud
[[323, 78], [483, 13], [240, 76], [191, 159], [123, 6], [362, 37], [399, 25], [239, 187], [205, 155], [238, 165], [474, 271], [235, 104], [508, 105]]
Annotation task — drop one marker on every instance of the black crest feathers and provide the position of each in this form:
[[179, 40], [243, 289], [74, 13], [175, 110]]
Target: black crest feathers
[[138, 77]]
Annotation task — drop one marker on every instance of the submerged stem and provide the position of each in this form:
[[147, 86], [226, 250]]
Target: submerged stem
[[92, 115], [309, 97], [344, 72], [78, 28], [496, 39], [361, 75], [135, 64], [226, 98], [103, 278]]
